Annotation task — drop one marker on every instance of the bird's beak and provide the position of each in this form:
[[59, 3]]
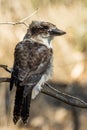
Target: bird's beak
[[57, 32]]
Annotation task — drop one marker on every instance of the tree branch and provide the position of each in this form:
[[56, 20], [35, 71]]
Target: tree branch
[[22, 21], [4, 80], [66, 98]]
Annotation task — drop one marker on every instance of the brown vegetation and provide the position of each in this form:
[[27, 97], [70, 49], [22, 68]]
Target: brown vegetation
[[69, 56]]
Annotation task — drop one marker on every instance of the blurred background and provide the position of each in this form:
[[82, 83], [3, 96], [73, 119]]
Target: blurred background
[[70, 62]]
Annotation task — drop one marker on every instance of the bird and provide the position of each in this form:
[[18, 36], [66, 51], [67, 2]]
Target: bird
[[33, 66]]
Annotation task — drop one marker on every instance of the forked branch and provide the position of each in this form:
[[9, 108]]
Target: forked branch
[[66, 98], [22, 21]]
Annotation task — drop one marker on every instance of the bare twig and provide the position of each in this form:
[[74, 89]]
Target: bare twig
[[26, 18], [66, 98], [22, 21], [4, 80], [6, 68], [14, 23]]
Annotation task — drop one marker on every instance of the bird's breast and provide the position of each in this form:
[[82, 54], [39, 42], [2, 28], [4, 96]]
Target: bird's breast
[[45, 77]]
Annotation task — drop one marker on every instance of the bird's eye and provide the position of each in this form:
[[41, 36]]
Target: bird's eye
[[45, 27]]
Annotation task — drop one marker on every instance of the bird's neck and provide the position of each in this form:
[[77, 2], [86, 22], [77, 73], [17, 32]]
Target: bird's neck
[[43, 40]]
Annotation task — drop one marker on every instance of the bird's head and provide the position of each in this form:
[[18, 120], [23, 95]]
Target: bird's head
[[45, 29], [42, 31]]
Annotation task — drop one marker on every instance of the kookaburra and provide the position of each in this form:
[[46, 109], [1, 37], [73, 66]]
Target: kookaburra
[[32, 65]]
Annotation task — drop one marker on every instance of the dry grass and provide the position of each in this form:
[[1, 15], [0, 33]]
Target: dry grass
[[69, 50]]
